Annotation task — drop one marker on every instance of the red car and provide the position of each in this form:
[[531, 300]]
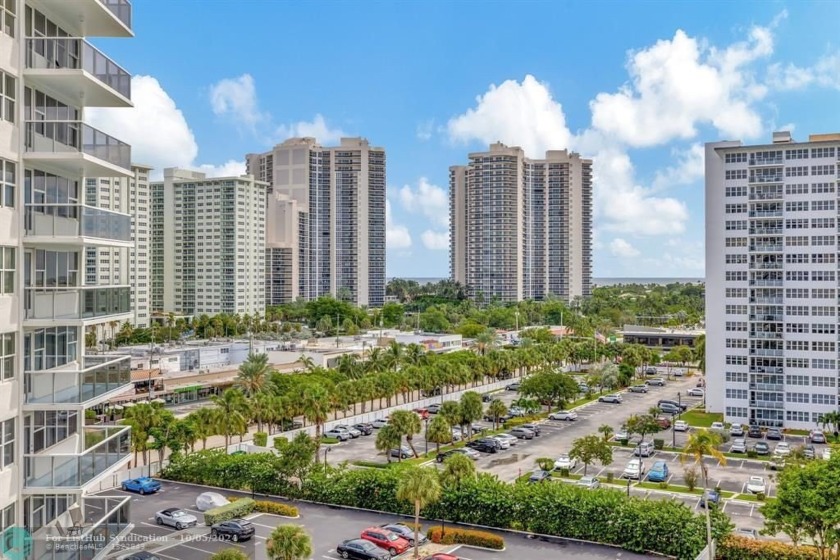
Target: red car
[[423, 412], [383, 538], [441, 556]]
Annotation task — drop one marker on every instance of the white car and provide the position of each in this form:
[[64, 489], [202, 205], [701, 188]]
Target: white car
[[511, 439], [379, 423], [635, 469], [565, 462], [782, 449], [503, 442], [352, 432], [456, 434], [717, 426], [589, 482], [680, 426], [755, 485], [568, 415], [696, 392], [176, 517], [621, 434]]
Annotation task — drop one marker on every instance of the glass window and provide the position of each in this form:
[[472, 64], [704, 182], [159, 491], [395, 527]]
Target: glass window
[[8, 177], [7, 442], [8, 93], [7, 270], [8, 10], [7, 355]]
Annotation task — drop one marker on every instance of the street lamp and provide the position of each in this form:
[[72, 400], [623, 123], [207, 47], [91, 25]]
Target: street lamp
[[673, 431], [426, 434], [326, 450], [679, 402]]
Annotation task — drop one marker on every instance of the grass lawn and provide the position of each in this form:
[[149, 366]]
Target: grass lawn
[[681, 489], [797, 432], [571, 476], [583, 401], [745, 456], [701, 419]]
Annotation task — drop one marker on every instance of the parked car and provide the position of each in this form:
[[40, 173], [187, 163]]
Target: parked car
[[651, 371], [826, 454], [639, 389], [756, 485], [816, 436], [809, 452], [340, 435], [379, 423], [589, 482], [755, 432], [513, 386], [471, 453], [405, 532], [656, 382], [621, 434], [696, 392], [710, 497], [387, 540], [774, 433], [739, 445], [635, 469], [782, 449], [614, 399], [403, 452], [485, 445], [669, 408], [353, 432], [361, 549], [567, 415], [142, 555], [664, 422], [522, 433], [142, 485], [533, 427], [433, 408], [366, 428], [423, 413], [644, 449], [736, 430], [565, 462], [761, 448], [511, 440], [175, 517], [539, 476], [504, 443], [746, 532], [676, 404], [678, 372], [583, 387], [234, 529], [659, 472], [487, 397], [680, 426], [287, 425], [717, 426], [210, 500], [515, 412], [456, 433]]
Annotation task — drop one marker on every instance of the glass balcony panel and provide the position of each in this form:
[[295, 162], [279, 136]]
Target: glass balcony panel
[[77, 220], [71, 53], [104, 519], [83, 302], [102, 449], [99, 375], [121, 9], [76, 136]]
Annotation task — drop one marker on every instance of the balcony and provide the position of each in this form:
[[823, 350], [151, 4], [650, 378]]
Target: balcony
[[81, 303], [767, 283], [767, 231], [82, 74], [769, 317], [98, 378], [766, 214], [93, 18], [76, 224], [769, 387], [766, 335], [101, 450], [776, 405], [102, 519], [74, 149], [767, 352], [775, 178], [767, 300], [766, 266], [767, 248], [777, 160]]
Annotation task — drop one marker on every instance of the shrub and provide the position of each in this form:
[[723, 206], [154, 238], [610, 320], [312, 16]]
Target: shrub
[[740, 548], [230, 554], [624, 441], [610, 477], [239, 508], [260, 439], [663, 485], [760, 496], [325, 439], [265, 506], [514, 422], [690, 478], [658, 443], [564, 473], [454, 535], [279, 442], [751, 453], [372, 464], [545, 463]]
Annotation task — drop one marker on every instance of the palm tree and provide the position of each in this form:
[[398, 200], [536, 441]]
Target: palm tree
[[439, 431], [170, 322], [456, 469], [113, 325], [701, 444], [203, 422], [485, 341], [497, 410], [606, 430], [306, 362], [387, 439], [407, 423], [253, 374], [143, 418], [262, 406], [316, 409], [394, 355], [289, 542], [421, 486], [232, 412]]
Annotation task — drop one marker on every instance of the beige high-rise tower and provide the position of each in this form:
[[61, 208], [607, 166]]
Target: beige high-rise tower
[[325, 220], [521, 228]]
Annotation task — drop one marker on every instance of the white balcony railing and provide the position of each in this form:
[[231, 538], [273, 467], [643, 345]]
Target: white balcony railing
[[99, 375], [75, 303]]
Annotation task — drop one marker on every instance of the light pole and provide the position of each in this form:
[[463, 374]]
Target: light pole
[[673, 431], [679, 402], [426, 434], [326, 450]]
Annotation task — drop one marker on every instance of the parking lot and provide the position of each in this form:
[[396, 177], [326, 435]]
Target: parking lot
[[327, 526]]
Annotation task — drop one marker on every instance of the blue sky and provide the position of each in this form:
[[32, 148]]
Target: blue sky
[[637, 86]]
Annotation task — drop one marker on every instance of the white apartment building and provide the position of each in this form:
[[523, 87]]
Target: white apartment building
[[208, 244], [50, 458], [521, 228], [326, 220], [131, 196], [771, 280]]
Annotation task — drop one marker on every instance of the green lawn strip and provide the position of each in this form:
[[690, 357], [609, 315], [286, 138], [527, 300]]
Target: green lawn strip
[[330, 440], [698, 418], [583, 401], [570, 476], [681, 489], [796, 432], [744, 456]]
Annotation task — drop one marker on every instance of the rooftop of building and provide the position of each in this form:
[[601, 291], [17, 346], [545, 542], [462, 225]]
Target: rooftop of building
[[642, 329], [779, 140]]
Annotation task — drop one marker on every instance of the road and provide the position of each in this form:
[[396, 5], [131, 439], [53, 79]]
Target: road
[[327, 526]]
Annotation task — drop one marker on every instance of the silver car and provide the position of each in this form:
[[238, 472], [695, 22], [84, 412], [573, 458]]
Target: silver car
[[352, 432], [503, 441], [509, 438], [739, 445], [176, 517]]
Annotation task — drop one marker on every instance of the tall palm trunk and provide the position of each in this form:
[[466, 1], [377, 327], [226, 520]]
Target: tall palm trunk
[[708, 512]]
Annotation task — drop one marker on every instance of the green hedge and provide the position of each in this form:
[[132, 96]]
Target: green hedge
[[276, 508], [239, 508], [741, 548], [325, 439], [514, 422], [456, 535], [260, 439]]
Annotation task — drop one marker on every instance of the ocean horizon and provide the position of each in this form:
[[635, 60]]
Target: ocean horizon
[[660, 281]]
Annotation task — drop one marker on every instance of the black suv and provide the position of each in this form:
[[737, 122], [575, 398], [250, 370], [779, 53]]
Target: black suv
[[235, 530], [485, 445], [365, 427], [755, 432]]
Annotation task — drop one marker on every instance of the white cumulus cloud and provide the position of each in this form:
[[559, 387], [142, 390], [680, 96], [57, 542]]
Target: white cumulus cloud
[[688, 168], [521, 114], [428, 200], [396, 235], [435, 240], [231, 168], [825, 72], [622, 248], [237, 98], [316, 128]]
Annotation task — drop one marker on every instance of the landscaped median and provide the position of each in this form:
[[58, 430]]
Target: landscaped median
[[470, 537]]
